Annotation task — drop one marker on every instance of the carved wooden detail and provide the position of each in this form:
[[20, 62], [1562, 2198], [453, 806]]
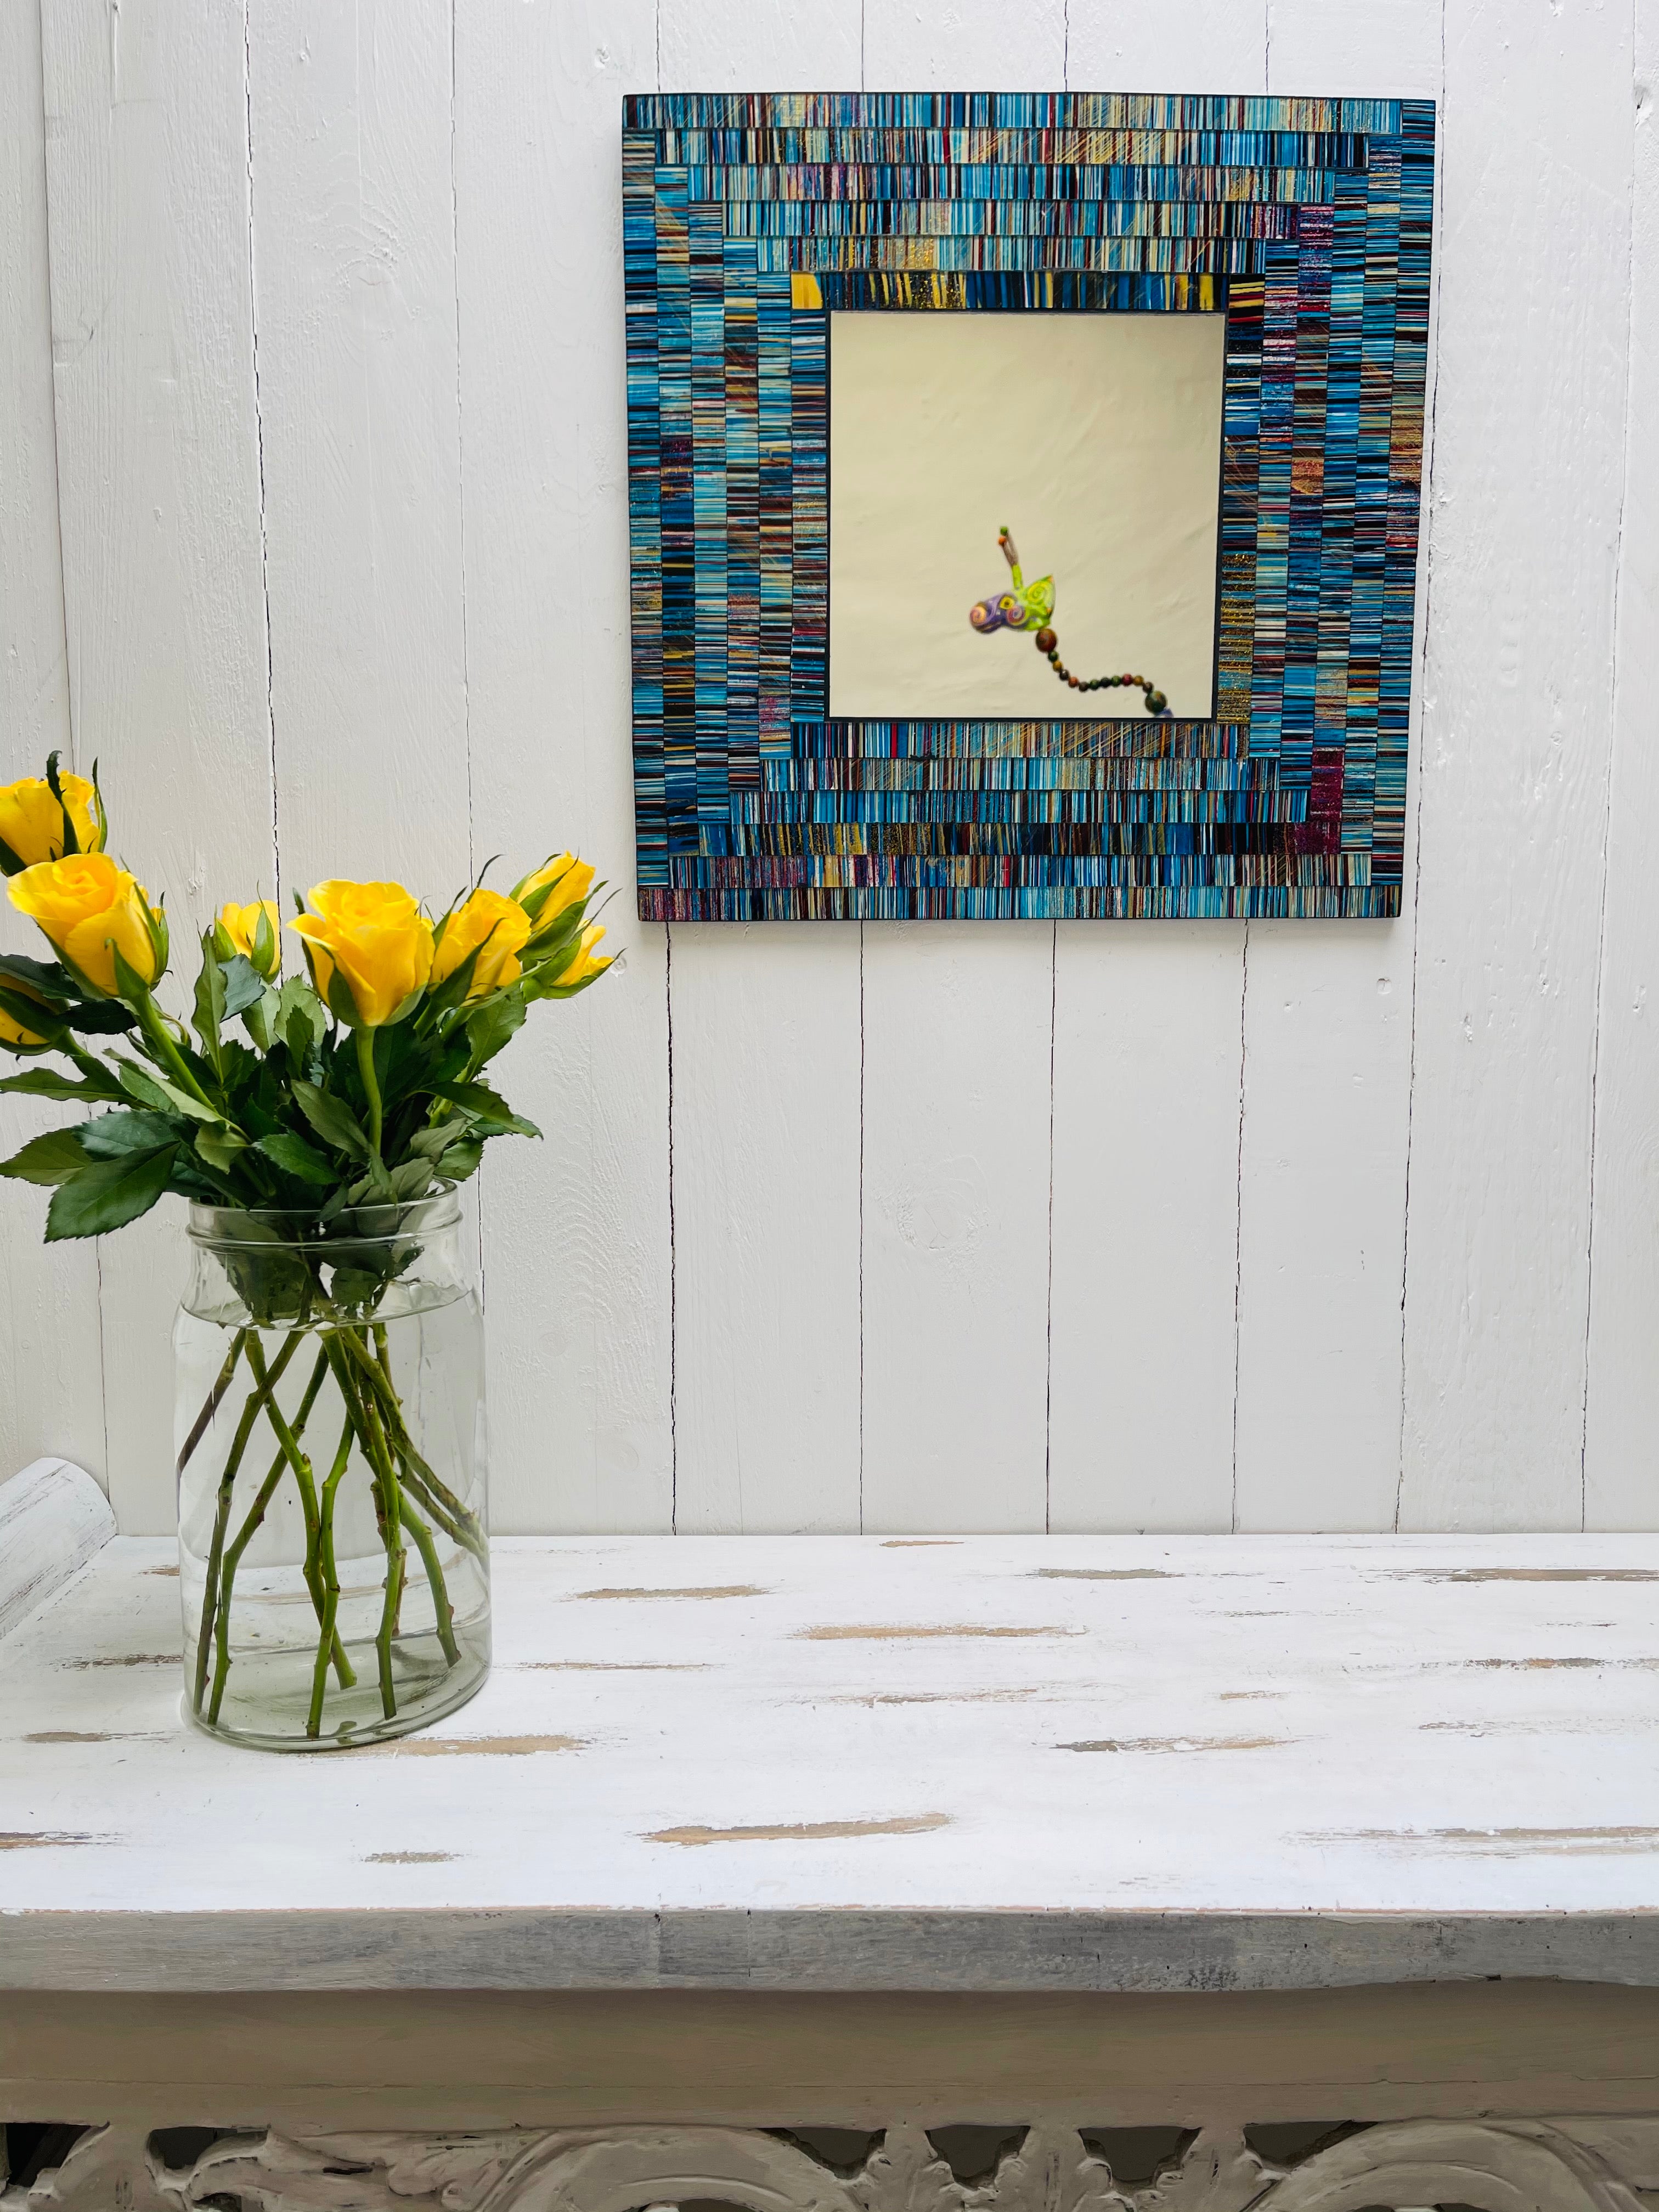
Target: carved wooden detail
[[1514, 2166]]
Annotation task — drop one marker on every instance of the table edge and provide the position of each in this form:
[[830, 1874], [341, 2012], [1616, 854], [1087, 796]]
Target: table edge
[[528, 1949]]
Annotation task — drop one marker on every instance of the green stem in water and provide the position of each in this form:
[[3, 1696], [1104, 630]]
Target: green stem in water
[[330, 1635], [244, 1537], [436, 1582], [266, 1381], [465, 1527], [306, 1482], [371, 1086], [210, 1403], [387, 1503]]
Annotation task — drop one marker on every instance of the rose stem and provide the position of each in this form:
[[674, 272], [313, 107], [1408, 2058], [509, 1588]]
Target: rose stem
[[212, 1405], [385, 1513], [442, 1608], [244, 1537], [466, 1530], [302, 1475], [371, 1087], [227, 1484], [396, 1559], [331, 1579], [434, 1575]]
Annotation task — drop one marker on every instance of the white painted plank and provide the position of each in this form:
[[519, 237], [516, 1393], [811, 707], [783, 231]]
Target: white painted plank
[[158, 472], [957, 1023], [355, 266], [50, 1355], [957, 1046], [1147, 1051], [1515, 762], [970, 45], [1386, 50], [766, 1228], [53, 1518], [1327, 1056], [1180, 45], [577, 1227], [761, 1761], [766, 1067], [732, 46], [1148, 1019], [351, 112], [1621, 1435], [1322, 1223]]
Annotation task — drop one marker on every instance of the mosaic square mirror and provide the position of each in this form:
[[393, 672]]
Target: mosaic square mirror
[[1024, 501]]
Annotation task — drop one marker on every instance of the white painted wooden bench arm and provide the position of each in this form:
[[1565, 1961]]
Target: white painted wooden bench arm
[[53, 1518]]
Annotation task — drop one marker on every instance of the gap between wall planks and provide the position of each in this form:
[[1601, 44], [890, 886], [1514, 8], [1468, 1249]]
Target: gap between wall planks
[[403, 516]]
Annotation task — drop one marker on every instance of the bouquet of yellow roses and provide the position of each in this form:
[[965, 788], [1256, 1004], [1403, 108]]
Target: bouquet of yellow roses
[[353, 1092]]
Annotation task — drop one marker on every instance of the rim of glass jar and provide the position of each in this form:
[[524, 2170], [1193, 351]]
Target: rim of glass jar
[[435, 1211]]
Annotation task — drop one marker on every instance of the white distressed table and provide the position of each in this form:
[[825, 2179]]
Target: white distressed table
[[1103, 1839]]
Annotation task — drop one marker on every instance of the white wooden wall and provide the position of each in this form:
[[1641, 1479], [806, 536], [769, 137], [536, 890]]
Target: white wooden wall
[[311, 411]]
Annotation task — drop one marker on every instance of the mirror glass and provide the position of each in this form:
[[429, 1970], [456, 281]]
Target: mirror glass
[[1094, 440]]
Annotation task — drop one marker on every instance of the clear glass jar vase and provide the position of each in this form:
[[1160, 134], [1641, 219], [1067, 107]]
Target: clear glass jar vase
[[329, 1430]]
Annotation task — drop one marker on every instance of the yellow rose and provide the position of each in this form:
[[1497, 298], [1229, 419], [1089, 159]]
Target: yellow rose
[[91, 909], [32, 821], [584, 967], [376, 940], [547, 894], [499, 926], [241, 925], [15, 1035]]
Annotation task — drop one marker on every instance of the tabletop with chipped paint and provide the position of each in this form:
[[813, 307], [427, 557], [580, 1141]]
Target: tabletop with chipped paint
[[1001, 1762]]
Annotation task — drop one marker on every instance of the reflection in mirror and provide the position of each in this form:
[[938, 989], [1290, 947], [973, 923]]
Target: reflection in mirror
[[1017, 501]]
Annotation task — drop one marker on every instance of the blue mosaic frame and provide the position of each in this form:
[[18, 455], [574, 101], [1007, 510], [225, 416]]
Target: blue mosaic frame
[[1308, 220]]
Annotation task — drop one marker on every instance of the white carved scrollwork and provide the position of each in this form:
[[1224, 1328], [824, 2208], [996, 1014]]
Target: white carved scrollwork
[[1518, 2166]]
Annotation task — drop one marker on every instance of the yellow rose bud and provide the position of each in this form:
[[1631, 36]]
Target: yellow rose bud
[[32, 821], [14, 1034], [554, 888], [584, 965], [499, 926], [375, 940], [241, 925], [90, 909]]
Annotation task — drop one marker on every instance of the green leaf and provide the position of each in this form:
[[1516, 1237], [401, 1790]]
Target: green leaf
[[220, 1147], [296, 1157], [333, 1119], [256, 1019], [452, 991], [99, 1018], [461, 1160], [51, 1159], [153, 1091], [495, 1024], [47, 976], [413, 1179], [299, 1019], [428, 1143], [29, 1014], [108, 1194], [110, 1136], [485, 1105], [244, 985], [210, 999], [46, 1083]]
